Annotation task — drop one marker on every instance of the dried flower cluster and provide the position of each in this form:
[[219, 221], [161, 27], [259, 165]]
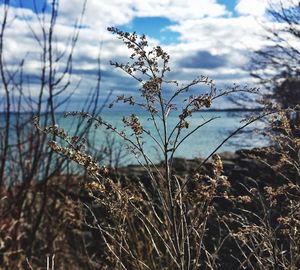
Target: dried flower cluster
[[73, 151], [134, 123]]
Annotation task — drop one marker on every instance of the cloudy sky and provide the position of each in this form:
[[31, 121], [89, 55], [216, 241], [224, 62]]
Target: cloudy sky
[[203, 37]]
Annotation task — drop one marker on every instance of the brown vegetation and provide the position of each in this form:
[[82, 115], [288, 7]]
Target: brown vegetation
[[241, 212]]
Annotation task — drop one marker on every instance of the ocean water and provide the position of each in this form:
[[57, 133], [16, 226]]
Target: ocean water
[[200, 144]]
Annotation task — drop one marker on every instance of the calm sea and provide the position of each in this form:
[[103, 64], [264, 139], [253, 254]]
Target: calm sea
[[199, 144]]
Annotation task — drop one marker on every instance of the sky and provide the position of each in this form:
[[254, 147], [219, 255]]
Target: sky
[[214, 38]]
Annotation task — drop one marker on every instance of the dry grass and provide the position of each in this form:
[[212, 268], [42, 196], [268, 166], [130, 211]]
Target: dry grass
[[204, 220]]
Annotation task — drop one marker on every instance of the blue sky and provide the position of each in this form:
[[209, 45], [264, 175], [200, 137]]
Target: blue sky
[[203, 37], [34, 5], [155, 27], [230, 5]]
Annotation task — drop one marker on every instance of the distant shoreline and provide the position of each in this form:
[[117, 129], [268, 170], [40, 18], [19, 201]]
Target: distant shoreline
[[235, 110]]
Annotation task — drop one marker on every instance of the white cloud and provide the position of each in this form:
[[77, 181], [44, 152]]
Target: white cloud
[[178, 10], [252, 7], [116, 12], [258, 8], [219, 34]]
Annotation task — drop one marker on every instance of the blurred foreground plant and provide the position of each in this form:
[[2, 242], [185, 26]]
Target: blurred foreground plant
[[28, 167], [266, 233]]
